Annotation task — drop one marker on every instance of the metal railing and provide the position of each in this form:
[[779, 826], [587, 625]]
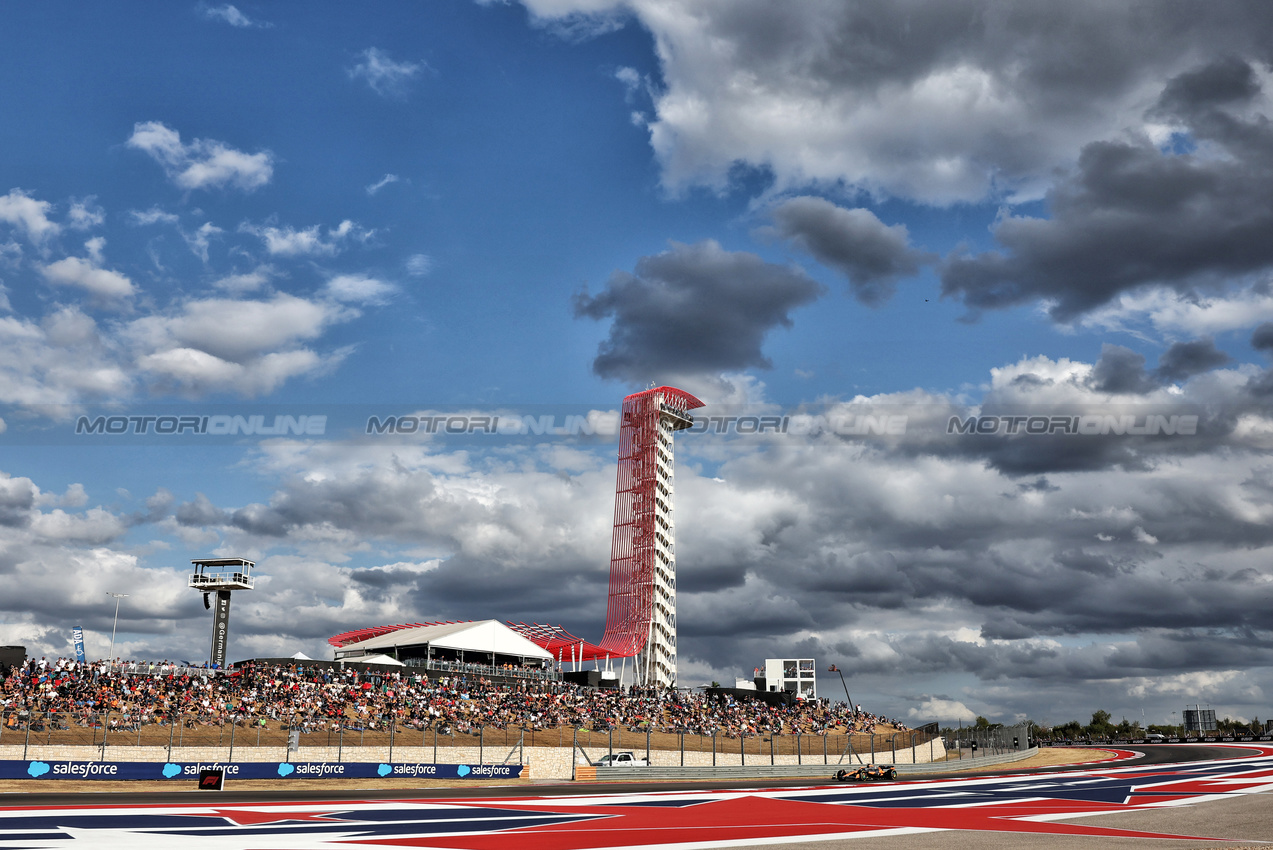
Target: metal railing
[[538, 674], [112, 730]]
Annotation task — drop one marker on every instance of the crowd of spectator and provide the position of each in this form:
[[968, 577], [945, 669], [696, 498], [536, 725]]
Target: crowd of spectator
[[312, 698]]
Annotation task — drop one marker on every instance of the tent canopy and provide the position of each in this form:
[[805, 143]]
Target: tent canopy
[[489, 636]]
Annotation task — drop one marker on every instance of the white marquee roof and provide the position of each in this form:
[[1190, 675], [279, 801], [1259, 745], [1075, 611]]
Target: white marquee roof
[[478, 636]]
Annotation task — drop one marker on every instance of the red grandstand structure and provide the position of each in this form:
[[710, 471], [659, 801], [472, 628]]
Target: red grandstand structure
[[641, 603]]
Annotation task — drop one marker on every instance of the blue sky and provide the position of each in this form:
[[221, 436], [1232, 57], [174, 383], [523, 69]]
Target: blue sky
[[487, 207]]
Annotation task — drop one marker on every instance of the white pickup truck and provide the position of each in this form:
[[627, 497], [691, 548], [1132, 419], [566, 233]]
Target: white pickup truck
[[624, 759]]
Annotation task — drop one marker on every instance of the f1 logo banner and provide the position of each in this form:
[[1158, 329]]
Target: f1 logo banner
[[211, 779], [220, 628]]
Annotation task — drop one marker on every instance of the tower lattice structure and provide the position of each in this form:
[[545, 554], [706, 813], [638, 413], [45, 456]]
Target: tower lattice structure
[[641, 611]]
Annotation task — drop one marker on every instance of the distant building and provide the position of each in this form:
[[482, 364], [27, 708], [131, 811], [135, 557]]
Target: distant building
[[793, 675]]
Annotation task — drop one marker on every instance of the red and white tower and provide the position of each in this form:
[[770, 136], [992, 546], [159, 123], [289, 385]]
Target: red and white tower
[[641, 610]]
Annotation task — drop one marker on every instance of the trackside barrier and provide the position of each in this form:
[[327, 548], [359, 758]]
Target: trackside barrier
[[1123, 742], [52, 769], [766, 771]]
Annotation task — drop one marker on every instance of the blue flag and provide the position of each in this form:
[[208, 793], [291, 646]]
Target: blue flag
[[77, 634]]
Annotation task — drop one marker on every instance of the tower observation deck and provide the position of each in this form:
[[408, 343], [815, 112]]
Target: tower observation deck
[[219, 576]]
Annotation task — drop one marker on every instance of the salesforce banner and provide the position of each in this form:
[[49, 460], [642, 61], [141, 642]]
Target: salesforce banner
[[55, 769]]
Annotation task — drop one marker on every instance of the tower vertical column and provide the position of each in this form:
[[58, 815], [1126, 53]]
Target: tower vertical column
[[220, 628], [641, 610]]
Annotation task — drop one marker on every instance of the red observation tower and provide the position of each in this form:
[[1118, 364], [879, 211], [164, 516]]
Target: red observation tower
[[641, 606]]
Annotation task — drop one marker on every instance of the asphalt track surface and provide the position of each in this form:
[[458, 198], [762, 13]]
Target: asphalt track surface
[[1213, 795]]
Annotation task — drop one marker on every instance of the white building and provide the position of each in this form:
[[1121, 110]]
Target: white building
[[794, 675]]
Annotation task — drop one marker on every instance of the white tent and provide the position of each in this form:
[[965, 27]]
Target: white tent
[[378, 659], [488, 636], [300, 656]]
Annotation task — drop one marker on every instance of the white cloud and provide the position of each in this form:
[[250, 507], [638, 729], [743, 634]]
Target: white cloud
[[95, 248], [191, 371], [419, 265], [199, 240], [359, 289], [87, 275], [4, 299], [948, 710], [385, 76], [246, 347], [154, 215], [10, 253], [85, 214], [381, 183], [236, 330], [204, 163], [239, 284], [29, 216], [311, 241], [1170, 312], [231, 15]]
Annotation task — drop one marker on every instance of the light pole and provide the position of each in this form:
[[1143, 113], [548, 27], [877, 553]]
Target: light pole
[[118, 596], [834, 669]]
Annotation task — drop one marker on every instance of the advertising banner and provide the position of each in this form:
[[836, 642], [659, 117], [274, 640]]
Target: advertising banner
[[220, 628], [191, 771], [77, 636]]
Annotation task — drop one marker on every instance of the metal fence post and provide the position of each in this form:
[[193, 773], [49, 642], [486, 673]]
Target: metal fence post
[[799, 750], [742, 748], [481, 743], [171, 730], [231, 758], [682, 748], [825, 759], [340, 743], [574, 749], [772, 735], [391, 730], [647, 743], [713, 748], [27, 741]]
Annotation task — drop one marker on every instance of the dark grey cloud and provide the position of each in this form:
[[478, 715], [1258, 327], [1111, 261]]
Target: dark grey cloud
[[1131, 215], [870, 254], [200, 512], [1186, 359], [694, 309], [17, 501], [1262, 337], [1121, 370]]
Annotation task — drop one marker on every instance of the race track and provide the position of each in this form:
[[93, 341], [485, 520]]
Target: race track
[[1126, 803]]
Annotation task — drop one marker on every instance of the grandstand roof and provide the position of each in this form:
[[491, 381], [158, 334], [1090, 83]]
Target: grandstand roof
[[562, 644], [475, 635]]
